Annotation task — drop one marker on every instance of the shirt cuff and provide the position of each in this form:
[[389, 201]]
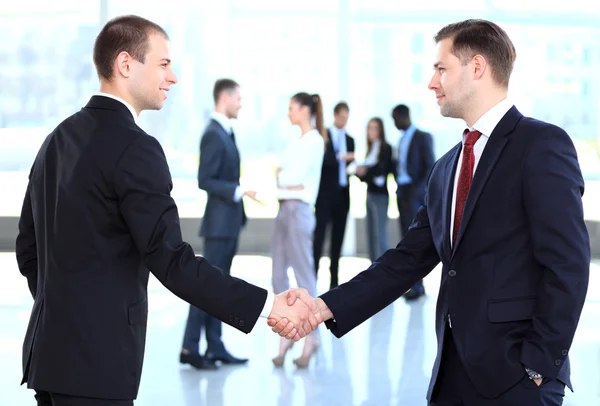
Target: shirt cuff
[[239, 193], [268, 307]]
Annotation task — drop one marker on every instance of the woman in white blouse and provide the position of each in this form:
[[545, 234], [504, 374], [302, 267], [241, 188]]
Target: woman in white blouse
[[298, 180]]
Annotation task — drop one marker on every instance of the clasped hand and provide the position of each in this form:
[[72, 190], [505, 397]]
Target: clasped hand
[[295, 314]]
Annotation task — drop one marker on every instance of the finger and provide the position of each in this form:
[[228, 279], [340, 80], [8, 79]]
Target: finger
[[288, 329], [272, 322], [292, 334], [291, 297], [307, 327], [314, 323], [280, 326], [296, 338], [300, 330]]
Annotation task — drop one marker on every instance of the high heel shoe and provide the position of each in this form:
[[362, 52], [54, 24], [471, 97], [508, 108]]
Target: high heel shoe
[[284, 347], [310, 347]]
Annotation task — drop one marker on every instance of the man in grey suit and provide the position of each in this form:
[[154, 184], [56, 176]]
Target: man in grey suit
[[224, 217]]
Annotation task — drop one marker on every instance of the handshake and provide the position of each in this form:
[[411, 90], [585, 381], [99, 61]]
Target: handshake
[[296, 313]]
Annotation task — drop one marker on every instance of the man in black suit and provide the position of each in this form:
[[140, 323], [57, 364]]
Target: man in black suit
[[504, 215], [96, 218], [414, 161], [333, 200], [224, 217]]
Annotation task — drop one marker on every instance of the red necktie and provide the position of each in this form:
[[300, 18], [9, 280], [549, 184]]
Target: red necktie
[[464, 179]]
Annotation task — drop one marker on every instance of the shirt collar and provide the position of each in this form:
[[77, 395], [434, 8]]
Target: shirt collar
[[410, 130], [223, 120], [129, 106], [488, 122]]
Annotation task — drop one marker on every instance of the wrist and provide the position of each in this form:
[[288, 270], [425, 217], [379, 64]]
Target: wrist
[[324, 309]]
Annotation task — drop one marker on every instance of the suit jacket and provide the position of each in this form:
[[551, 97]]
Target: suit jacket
[[219, 176], [330, 172], [515, 282], [382, 168], [419, 160], [97, 217]]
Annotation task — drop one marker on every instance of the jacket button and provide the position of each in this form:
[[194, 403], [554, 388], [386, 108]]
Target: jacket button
[[557, 362], [452, 272], [241, 323], [231, 318], [565, 352]]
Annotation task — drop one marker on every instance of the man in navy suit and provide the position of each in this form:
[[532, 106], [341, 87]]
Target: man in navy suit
[[224, 217], [413, 164], [503, 213]]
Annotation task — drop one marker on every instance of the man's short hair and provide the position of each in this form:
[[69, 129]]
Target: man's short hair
[[341, 106], [223, 85], [126, 33]]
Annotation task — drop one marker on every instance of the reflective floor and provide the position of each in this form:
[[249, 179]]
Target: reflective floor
[[385, 361]]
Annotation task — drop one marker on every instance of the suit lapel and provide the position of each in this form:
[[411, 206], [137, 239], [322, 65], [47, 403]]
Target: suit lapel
[[226, 137], [449, 172], [491, 153]]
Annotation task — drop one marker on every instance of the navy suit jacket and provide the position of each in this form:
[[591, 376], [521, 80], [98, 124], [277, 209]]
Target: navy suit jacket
[[419, 161], [515, 282], [219, 176], [97, 217]]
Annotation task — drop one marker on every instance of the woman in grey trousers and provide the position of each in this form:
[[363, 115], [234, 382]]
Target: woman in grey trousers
[[298, 179]]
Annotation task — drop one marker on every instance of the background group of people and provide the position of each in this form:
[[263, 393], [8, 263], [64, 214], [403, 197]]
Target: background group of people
[[313, 190]]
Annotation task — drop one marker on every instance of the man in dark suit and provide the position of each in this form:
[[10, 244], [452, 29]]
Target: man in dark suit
[[224, 217], [96, 218], [333, 200], [413, 163], [504, 215]]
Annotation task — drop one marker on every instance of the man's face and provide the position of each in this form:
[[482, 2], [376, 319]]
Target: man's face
[[451, 82], [150, 81], [233, 102], [340, 119]]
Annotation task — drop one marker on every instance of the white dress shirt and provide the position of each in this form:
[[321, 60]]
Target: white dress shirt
[[485, 125], [301, 165], [338, 138], [129, 106]]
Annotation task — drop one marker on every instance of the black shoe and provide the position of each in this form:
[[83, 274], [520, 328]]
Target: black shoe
[[225, 358], [414, 294], [197, 361]]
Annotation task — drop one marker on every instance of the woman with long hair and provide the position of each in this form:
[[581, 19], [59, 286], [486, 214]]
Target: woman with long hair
[[298, 179], [373, 171]]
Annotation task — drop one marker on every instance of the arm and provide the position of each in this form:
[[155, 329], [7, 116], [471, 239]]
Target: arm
[[382, 167], [427, 156], [385, 281], [26, 247], [211, 159], [553, 187], [143, 185]]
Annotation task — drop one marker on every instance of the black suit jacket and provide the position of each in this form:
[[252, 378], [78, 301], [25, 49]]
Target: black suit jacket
[[382, 168], [97, 217], [219, 176], [515, 282], [419, 160], [330, 172]]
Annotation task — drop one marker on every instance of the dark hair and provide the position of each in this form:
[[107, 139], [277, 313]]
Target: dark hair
[[473, 37], [313, 102], [379, 121], [123, 34], [401, 111], [341, 106], [223, 85]]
